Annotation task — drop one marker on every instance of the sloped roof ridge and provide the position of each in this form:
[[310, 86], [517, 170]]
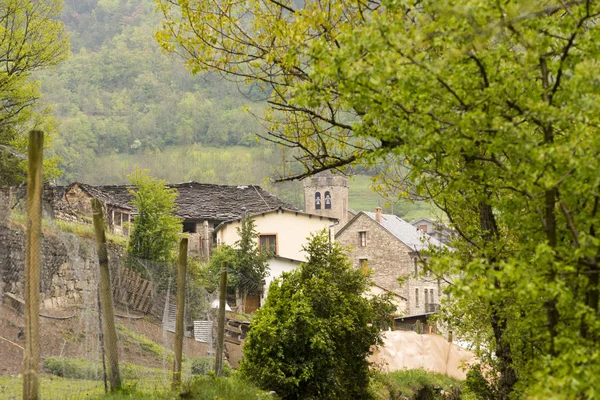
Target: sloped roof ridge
[[408, 234]]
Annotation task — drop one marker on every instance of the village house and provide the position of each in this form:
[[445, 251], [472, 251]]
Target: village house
[[283, 232], [201, 206], [391, 248], [434, 228]]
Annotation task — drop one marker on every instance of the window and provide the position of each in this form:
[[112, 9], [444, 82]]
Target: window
[[189, 227], [327, 200], [423, 228], [416, 297], [416, 262], [362, 238], [363, 264], [269, 243], [117, 219], [318, 201]]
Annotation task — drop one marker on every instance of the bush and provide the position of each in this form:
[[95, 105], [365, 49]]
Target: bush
[[210, 388], [477, 384], [311, 338], [415, 384], [74, 368], [202, 366]]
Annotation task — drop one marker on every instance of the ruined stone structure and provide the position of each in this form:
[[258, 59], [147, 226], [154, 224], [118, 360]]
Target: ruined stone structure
[[326, 194], [69, 274], [390, 248]]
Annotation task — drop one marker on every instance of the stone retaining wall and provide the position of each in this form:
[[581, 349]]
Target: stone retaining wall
[[69, 274]]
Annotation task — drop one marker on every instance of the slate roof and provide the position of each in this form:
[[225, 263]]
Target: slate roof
[[413, 238], [278, 209], [199, 201], [408, 234]]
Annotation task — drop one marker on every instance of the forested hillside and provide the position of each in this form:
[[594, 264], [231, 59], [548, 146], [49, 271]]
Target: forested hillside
[[121, 102], [119, 93]]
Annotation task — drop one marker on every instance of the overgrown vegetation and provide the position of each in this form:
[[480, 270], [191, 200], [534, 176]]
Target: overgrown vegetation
[[415, 384], [144, 343], [155, 228], [311, 338], [206, 365]]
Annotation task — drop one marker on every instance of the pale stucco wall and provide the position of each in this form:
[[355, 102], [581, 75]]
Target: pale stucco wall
[[292, 230], [277, 266]]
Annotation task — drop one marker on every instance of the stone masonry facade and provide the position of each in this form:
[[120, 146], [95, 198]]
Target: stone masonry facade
[[69, 274], [336, 186], [389, 259]]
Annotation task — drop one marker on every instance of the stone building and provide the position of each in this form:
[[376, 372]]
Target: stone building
[[201, 206], [391, 248], [434, 228], [326, 194]]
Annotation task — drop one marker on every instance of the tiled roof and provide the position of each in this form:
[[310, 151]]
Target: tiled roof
[[200, 201], [412, 237]]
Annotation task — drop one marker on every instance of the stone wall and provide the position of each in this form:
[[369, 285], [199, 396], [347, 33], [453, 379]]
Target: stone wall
[[337, 186], [5, 201], [389, 259], [69, 274]]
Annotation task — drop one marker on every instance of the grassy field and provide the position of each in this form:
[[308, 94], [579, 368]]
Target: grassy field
[[235, 165], [363, 198], [51, 387]]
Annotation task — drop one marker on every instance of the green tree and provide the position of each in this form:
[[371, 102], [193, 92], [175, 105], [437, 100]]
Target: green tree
[[247, 264], [31, 38], [492, 106], [311, 338], [155, 228]]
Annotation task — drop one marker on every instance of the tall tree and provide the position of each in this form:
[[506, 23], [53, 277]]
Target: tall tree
[[494, 109], [31, 38], [155, 228], [251, 262]]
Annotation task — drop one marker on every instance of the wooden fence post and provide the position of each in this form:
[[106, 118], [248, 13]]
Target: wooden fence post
[[31, 353], [106, 302], [221, 321], [178, 345]]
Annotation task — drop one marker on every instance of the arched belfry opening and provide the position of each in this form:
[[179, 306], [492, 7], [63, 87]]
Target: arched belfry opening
[[326, 194]]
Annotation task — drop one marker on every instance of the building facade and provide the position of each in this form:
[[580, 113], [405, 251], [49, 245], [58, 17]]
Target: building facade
[[389, 248], [326, 194]]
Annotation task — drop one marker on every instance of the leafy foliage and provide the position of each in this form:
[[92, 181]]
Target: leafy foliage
[[311, 338], [31, 39], [492, 107], [155, 228]]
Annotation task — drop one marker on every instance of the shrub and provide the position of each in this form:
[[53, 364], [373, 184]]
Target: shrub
[[415, 384], [202, 366], [312, 337], [74, 368]]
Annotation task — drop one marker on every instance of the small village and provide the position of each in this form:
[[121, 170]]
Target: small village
[[299, 199]]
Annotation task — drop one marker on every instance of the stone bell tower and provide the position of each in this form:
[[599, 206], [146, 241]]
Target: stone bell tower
[[326, 194]]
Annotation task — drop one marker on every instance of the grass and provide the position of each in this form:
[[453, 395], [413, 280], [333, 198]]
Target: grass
[[51, 387], [78, 229], [146, 344], [412, 384], [363, 198]]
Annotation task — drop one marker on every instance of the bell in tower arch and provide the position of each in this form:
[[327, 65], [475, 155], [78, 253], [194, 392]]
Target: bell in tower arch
[[327, 200]]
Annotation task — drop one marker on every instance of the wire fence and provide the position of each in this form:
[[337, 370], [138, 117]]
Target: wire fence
[[144, 305]]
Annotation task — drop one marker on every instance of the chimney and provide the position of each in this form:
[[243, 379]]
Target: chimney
[[378, 214]]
